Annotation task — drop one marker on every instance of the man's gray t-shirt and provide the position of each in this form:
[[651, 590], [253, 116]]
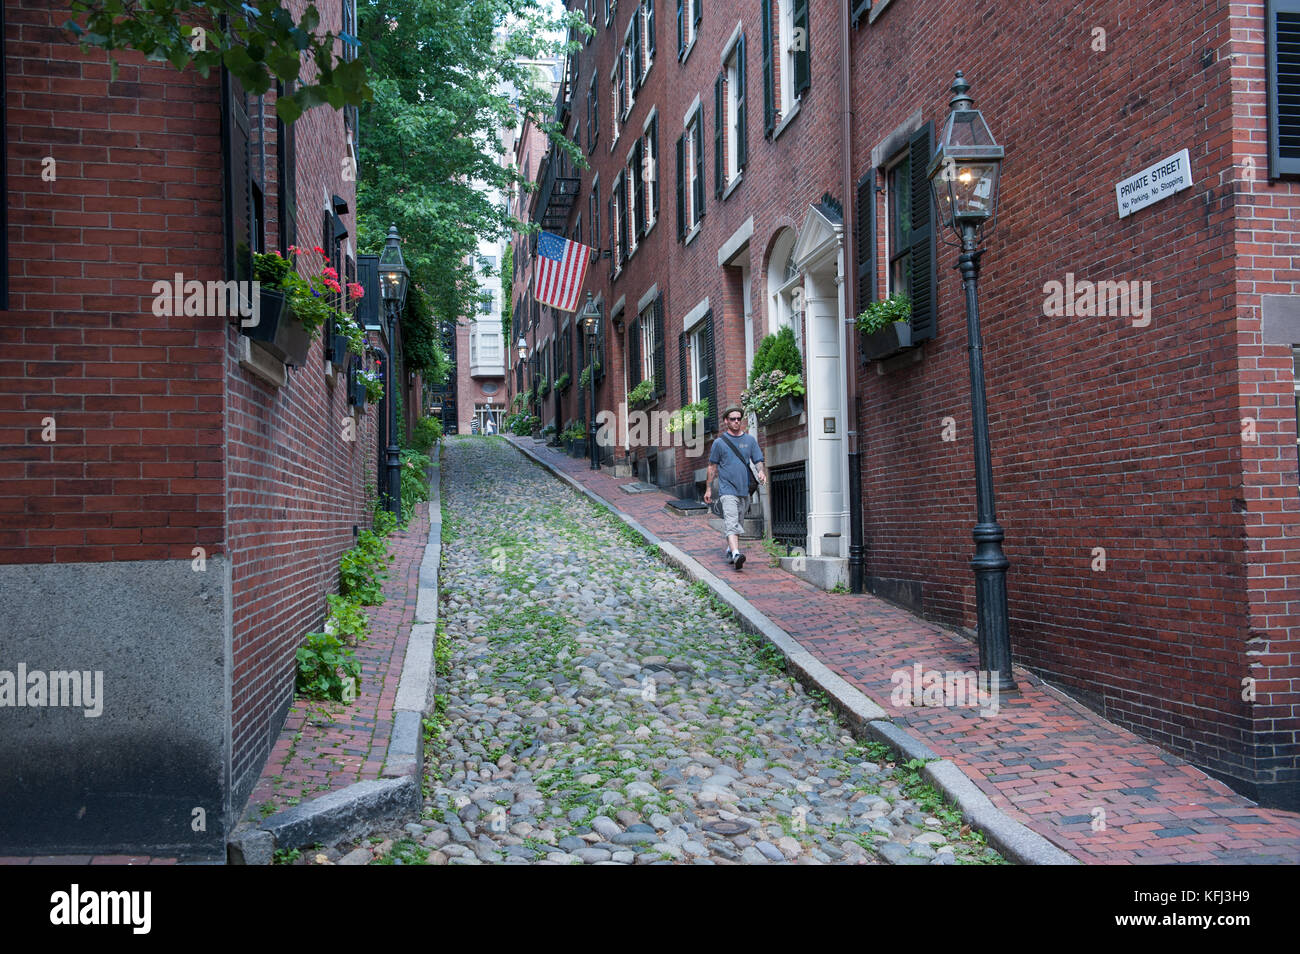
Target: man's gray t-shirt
[[733, 473]]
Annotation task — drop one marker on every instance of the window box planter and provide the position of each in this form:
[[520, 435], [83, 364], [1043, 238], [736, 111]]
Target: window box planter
[[789, 406], [577, 448], [890, 340], [336, 349], [278, 330], [357, 393]]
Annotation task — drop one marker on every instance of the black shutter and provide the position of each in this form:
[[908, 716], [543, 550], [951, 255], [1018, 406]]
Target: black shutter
[[709, 383], [622, 220], [769, 98], [634, 81], [622, 83], [613, 236], [681, 37], [699, 9], [650, 28], [719, 172], [860, 9], [634, 353], [1282, 24], [699, 170], [654, 164], [638, 187], [239, 186], [924, 275], [591, 95], [287, 174], [595, 214], [681, 367], [661, 371], [595, 111], [866, 257], [681, 189], [742, 131], [802, 73]]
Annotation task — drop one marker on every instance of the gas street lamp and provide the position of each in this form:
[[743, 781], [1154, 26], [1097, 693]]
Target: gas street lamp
[[393, 279], [590, 317], [964, 177]]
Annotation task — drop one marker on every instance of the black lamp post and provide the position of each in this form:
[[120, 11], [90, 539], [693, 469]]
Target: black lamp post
[[393, 278], [964, 178], [591, 326]]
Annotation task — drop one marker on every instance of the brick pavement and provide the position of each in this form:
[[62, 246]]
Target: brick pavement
[[1045, 760], [327, 746]]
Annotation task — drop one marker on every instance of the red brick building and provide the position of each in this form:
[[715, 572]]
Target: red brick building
[[173, 495], [1144, 447]]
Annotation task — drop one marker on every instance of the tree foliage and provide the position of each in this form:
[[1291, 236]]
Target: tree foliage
[[259, 41], [447, 84]]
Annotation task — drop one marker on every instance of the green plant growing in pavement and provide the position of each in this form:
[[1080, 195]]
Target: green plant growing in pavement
[[404, 851], [347, 619], [327, 669], [839, 588], [363, 569], [285, 856]]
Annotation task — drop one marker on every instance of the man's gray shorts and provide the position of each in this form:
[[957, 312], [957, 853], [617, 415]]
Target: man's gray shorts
[[733, 513]]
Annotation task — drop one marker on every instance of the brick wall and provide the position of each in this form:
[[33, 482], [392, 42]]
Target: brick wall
[[297, 467], [163, 442], [133, 471]]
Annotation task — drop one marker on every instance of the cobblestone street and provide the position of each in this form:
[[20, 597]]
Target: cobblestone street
[[593, 707]]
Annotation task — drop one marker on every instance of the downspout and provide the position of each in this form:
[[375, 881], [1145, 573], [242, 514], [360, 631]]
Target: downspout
[[856, 569]]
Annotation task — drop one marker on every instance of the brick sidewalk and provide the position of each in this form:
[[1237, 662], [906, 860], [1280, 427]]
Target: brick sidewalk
[[1044, 760], [326, 746]]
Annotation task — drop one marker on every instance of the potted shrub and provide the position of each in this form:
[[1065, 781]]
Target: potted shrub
[[688, 416], [776, 386], [642, 395], [372, 383], [887, 326], [562, 383], [575, 438]]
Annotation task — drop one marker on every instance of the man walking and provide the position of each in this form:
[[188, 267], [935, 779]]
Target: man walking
[[736, 463]]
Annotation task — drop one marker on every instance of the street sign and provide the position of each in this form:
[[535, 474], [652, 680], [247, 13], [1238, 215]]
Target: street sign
[[1154, 183]]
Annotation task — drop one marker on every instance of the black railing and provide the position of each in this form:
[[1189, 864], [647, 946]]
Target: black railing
[[789, 490]]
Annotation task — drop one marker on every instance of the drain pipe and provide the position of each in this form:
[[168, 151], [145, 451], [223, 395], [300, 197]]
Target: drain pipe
[[856, 568]]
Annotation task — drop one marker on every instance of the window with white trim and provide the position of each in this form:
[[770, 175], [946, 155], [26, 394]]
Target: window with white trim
[[647, 329]]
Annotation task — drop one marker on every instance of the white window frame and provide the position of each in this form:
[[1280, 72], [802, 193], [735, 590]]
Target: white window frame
[[695, 344], [888, 254], [785, 34], [694, 132], [688, 26], [616, 121], [643, 24], [649, 172], [629, 171], [647, 331], [732, 125], [616, 216]]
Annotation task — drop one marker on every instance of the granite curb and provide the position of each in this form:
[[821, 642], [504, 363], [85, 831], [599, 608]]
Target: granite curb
[[397, 795], [1015, 841]]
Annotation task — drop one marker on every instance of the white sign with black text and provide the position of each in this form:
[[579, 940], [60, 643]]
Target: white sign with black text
[[1154, 183]]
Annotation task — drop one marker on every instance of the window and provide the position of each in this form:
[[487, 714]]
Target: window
[[611, 7], [729, 133], [899, 199], [909, 235], [1283, 18], [618, 225], [695, 354], [688, 26], [646, 17], [786, 74], [615, 102], [645, 347], [649, 172], [690, 177], [635, 197], [593, 115]]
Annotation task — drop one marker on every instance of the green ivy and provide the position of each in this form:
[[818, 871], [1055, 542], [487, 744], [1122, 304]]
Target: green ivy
[[326, 668]]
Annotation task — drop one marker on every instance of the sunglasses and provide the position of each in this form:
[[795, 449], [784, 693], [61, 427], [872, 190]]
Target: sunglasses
[[735, 418]]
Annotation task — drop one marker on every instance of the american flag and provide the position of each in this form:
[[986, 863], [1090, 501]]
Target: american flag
[[561, 267]]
